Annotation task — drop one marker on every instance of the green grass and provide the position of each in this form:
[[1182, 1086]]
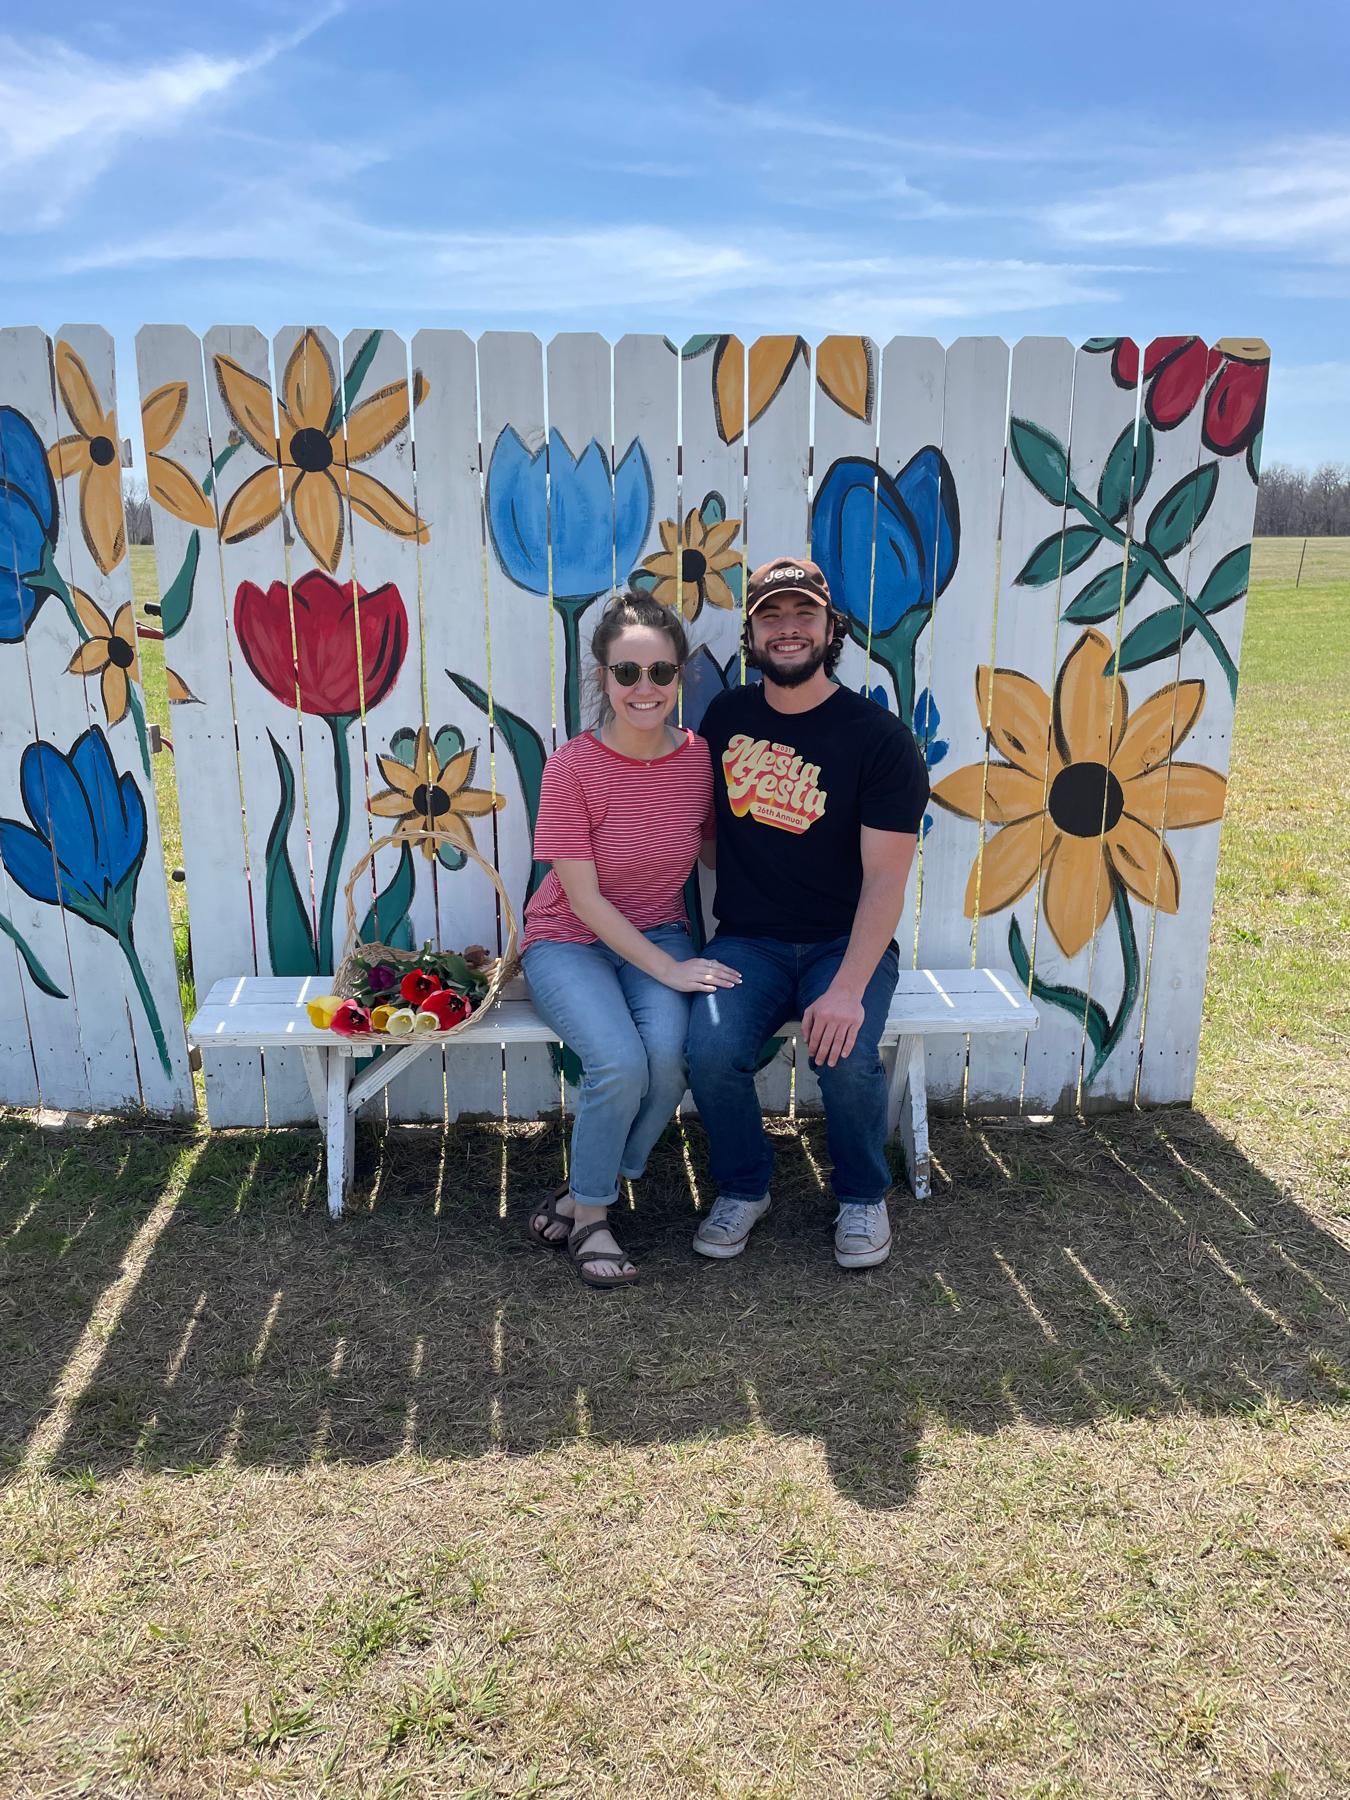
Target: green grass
[[1052, 1505]]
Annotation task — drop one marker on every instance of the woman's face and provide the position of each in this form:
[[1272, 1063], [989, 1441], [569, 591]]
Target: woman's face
[[645, 706]]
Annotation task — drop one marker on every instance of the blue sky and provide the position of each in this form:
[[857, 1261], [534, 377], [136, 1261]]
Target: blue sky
[[943, 169]]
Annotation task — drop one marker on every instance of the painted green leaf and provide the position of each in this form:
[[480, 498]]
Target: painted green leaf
[[713, 510], [1227, 581], [1100, 599], [351, 387], [39, 975], [1127, 470], [643, 580], [1177, 516], [527, 752], [1254, 456], [290, 936], [695, 346], [1067, 550], [1069, 999], [1161, 634], [1041, 458], [391, 907], [1097, 345], [177, 602]]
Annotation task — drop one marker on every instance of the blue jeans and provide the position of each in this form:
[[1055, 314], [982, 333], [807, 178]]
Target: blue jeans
[[727, 1031], [628, 1029]]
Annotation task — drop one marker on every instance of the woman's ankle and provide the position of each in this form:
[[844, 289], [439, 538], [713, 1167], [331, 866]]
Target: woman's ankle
[[588, 1215]]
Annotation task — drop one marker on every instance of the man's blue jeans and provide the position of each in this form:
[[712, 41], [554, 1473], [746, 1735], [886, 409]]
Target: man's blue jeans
[[629, 1030], [727, 1031]]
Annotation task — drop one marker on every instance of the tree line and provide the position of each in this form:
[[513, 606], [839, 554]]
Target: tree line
[[1304, 502]]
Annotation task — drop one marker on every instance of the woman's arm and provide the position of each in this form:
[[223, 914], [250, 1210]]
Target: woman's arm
[[623, 937]]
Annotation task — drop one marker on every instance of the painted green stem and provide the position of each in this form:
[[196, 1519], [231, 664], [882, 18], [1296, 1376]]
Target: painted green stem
[[342, 774], [129, 950], [570, 611], [1129, 956], [1140, 549], [896, 651], [54, 581]]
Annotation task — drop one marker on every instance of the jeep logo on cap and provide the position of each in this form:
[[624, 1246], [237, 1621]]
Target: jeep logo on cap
[[791, 573]]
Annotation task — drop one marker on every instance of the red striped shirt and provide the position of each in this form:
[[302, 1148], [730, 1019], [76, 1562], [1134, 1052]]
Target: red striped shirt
[[640, 823]]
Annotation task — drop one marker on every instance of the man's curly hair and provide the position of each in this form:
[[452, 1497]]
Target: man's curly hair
[[833, 650]]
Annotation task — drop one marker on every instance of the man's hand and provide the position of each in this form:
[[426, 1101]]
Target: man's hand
[[830, 1026]]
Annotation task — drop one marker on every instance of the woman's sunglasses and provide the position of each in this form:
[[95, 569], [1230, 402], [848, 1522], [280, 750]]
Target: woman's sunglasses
[[628, 674]]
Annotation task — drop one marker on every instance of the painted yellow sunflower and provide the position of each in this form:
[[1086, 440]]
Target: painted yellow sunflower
[[109, 651], [313, 451], [1085, 793], [430, 796], [688, 566], [93, 453], [843, 369], [169, 482]]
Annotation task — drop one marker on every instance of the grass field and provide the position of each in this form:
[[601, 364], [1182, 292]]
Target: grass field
[[1056, 1504]]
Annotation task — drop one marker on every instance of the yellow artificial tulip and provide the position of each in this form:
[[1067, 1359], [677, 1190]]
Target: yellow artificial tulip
[[380, 1017], [322, 1011]]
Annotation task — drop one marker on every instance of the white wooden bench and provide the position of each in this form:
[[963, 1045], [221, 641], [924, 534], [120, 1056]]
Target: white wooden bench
[[262, 1011]]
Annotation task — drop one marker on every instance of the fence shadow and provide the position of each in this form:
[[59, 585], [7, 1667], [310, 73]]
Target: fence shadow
[[1131, 1265]]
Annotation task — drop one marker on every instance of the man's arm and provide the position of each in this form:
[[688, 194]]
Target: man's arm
[[831, 1023]]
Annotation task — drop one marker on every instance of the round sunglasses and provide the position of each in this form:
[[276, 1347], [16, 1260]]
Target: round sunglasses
[[628, 674]]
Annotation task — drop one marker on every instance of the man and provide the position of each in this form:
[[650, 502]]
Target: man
[[818, 794]]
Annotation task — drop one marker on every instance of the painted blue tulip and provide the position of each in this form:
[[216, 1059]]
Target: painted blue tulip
[[28, 522], [86, 842], [597, 527], [911, 525]]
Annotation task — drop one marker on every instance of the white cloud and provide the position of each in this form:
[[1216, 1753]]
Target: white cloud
[[65, 116], [788, 278], [1292, 196]]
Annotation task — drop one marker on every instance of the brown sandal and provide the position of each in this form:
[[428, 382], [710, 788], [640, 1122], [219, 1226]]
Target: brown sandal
[[548, 1212], [581, 1258]]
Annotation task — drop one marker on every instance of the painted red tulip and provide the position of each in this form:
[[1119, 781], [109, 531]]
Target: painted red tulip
[[447, 1008], [1236, 407], [417, 985], [328, 615], [350, 1020]]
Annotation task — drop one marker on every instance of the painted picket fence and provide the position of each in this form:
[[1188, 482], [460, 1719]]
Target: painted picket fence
[[89, 1007], [380, 563]]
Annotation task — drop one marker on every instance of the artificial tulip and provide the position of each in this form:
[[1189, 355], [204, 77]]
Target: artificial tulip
[[447, 1008], [402, 1022], [321, 1010], [380, 1017], [416, 985], [350, 1020]]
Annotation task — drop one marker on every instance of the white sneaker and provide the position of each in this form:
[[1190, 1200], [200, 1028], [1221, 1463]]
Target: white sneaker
[[862, 1236], [726, 1230]]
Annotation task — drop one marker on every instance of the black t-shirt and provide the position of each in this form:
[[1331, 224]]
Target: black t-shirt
[[792, 791]]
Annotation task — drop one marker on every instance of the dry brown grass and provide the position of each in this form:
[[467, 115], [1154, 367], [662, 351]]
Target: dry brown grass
[[1056, 1504]]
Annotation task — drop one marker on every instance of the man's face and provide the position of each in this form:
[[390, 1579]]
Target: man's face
[[789, 635]]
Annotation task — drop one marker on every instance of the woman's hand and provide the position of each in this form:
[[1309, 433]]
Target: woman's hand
[[700, 975]]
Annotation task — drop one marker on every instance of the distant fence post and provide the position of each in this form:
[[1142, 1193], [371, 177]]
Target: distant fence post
[[1302, 553]]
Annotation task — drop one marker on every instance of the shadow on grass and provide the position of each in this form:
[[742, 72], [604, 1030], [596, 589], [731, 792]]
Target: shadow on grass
[[1134, 1265]]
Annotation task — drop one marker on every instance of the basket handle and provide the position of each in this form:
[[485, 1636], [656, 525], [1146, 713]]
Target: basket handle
[[439, 836]]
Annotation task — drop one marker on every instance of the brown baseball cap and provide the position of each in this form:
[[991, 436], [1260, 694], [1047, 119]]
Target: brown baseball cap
[[786, 575]]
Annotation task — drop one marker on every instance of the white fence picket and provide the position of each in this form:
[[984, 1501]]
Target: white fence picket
[[511, 414], [196, 652], [960, 638], [237, 361], [1179, 949], [449, 490]]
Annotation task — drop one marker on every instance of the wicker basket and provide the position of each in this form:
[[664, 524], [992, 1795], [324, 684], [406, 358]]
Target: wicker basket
[[358, 956]]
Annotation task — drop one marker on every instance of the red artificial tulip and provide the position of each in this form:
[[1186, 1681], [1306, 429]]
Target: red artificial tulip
[[416, 985], [351, 1020], [447, 1008], [323, 670]]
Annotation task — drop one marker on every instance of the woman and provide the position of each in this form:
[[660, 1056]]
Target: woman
[[623, 812]]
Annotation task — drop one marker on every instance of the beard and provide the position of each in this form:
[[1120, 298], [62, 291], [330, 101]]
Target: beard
[[788, 675]]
